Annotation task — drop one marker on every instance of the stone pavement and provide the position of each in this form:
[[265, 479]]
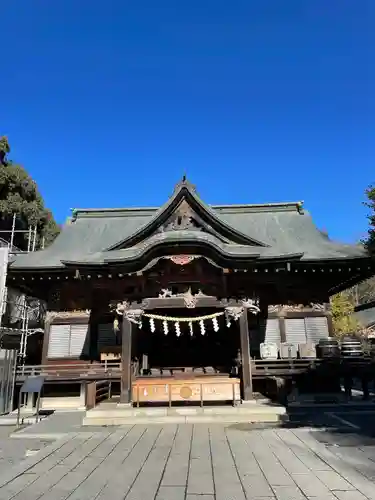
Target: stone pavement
[[13, 451], [191, 462]]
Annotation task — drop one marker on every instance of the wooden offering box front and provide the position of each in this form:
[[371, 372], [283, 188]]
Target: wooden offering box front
[[196, 389]]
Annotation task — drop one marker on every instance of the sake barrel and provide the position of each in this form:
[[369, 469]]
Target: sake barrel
[[328, 348], [351, 347], [371, 346], [269, 350]]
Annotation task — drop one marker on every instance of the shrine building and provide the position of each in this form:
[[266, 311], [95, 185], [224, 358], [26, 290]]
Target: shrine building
[[185, 290]]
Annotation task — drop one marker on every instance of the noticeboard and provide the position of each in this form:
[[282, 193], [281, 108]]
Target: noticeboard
[[32, 384]]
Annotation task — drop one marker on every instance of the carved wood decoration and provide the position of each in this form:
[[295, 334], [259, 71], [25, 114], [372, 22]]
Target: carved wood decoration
[[273, 309], [185, 218], [190, 299], [182, 260], [234, 313], [248, 305], [52, 315], [297, 307], [182, 218], [132, 315]]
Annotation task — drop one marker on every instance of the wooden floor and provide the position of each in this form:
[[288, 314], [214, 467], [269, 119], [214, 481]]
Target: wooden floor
[[191, 463]]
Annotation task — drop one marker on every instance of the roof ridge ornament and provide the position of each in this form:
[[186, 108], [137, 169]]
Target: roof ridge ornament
[[184, 183]]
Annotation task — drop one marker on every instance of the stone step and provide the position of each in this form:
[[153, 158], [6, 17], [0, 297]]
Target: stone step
[[244, 413], [190, 419]]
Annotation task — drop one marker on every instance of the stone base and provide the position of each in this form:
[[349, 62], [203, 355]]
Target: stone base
[[316, 399], [58, 403], [104, 415]]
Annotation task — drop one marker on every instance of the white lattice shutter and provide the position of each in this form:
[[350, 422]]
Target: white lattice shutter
[[295, 331], [316, 328], [272, 331], [79, 340], [59, 341]]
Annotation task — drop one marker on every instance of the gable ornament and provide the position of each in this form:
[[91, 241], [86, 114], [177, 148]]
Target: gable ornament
[[235, 312], [190, 299], [132, 315], [182, 260]]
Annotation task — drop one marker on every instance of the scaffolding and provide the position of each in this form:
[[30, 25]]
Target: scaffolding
[[20, 308], [31, 237], [25, 313]]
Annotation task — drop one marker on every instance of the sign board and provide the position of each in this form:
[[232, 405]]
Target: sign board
[[32, 385]]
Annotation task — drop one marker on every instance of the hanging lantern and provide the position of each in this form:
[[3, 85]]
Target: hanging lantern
[[152, 324], [191, 328], [177, 327], [201, 324], [215, 324], [165, 327]]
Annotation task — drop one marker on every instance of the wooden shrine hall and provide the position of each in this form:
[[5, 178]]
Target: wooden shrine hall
[[187, 291]]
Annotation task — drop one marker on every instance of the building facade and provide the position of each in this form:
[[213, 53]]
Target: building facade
[[186, 284]]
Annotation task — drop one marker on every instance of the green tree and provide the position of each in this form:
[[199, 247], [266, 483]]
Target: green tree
[[370, 203], [19, 195], [342, 309]]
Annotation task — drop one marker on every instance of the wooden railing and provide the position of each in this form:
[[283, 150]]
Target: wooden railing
[[264, 368], [97, 391], [70, 371], [260, 369], [289, 367]]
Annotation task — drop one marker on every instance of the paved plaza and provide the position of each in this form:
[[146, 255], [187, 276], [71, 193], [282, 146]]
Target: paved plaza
[[189, 462]]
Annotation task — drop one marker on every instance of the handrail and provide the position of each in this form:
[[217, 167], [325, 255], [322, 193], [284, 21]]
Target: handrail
[[117, 365], [259, 366], [27, 370], [96, 391]]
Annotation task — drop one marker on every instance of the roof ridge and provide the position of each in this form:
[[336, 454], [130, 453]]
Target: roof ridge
[[76, 212], [261, 205]]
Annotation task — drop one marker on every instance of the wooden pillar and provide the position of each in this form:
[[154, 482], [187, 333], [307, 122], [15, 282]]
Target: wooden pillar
[[331, 331], [328, 314], [247, 381], [126, 376], [282, 328], [46, 337], [95, 314]]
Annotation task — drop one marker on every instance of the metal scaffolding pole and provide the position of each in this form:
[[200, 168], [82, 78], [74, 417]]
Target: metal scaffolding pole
[[25, 310], [12, 233]]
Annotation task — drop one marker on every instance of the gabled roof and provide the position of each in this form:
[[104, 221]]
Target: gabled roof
[[185, 192], [246, 232]]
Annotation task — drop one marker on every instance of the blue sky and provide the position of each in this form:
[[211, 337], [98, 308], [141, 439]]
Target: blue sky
[[108, 103]]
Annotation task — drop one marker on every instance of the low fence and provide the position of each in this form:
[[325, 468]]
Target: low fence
[[287, 368], [79, 371], [260, 369], [97, 391]]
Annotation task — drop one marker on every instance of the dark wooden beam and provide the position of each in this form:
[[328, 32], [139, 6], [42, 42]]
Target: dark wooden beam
[[126, 375], [247, 381], [178, 303]]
